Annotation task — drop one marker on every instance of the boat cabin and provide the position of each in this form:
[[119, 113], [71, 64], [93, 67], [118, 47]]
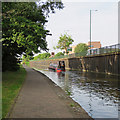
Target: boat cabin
[[58, 67]]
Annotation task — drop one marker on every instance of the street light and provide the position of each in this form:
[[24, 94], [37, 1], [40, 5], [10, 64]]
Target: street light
[[90, 29]]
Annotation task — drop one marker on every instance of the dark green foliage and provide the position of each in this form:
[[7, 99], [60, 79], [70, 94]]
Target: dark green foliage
[[42, 56], [9, 62], [81, 48], [59, 54], [23, 30]]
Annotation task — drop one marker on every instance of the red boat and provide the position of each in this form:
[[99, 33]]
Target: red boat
[[57, 67]]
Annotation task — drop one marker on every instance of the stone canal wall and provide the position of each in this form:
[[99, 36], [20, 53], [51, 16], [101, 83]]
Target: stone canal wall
[[106, 63], [44, 64]]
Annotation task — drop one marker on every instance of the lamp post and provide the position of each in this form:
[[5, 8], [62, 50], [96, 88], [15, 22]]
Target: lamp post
[[90, 29]]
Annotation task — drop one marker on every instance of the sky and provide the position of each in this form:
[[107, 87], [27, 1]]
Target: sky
[[74, 19]]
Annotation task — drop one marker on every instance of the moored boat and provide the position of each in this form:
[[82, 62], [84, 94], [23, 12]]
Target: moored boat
[[60, 67]]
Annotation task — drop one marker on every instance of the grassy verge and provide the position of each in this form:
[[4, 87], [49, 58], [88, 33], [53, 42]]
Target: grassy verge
[[11, 84]]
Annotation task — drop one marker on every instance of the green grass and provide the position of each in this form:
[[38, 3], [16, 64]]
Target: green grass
[[68, 92], [11, 84], [72, 104]]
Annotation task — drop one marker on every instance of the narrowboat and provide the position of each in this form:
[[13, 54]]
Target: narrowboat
[[60, 67]]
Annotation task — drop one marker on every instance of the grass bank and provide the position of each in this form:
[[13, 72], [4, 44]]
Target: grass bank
[[11, 84]]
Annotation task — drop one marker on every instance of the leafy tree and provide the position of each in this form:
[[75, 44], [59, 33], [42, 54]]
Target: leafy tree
[[59, 54], [42, 56], [26, 58], [64, 42], [23, 30], [82, 47]]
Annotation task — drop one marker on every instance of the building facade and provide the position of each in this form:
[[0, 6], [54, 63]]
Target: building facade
[[95, 44]]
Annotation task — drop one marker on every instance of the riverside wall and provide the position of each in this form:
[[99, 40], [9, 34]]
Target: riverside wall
[[105, 63]]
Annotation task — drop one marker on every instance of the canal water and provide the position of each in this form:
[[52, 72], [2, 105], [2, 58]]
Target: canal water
[[98, 94]]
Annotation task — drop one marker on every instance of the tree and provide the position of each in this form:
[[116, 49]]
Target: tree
[[23, 30], [42, 56], [26, 58], [64, 42], [80, 48], [59, 54]]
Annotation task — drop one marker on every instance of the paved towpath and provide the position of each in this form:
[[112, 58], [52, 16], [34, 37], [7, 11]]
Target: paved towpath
[[40, 98]]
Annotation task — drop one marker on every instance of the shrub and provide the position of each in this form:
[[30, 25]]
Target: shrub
[[59, 54], [42, 56]]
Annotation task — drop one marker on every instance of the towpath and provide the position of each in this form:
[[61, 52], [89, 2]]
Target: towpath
[[41, 98]]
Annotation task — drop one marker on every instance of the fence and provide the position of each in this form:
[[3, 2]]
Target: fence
[[102, 50], [106, 49]]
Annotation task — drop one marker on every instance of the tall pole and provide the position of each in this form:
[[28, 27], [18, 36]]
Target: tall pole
[[90, 29], [90, 32]]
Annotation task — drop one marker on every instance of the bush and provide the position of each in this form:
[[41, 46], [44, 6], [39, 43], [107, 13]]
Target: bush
[[42, 56], [59, 54], [81, 49]]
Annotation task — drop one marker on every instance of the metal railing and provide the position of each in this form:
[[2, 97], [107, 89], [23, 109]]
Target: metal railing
[[106, 49]]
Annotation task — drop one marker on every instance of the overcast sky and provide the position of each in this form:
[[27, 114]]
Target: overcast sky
[[75, 20]]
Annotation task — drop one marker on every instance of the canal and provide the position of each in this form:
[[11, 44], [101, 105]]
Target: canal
[[98, 94]]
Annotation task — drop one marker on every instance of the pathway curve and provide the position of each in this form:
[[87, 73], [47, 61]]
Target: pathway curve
[[41, 98]]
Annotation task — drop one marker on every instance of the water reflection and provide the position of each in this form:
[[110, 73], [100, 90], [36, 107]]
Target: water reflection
[[98, 94]]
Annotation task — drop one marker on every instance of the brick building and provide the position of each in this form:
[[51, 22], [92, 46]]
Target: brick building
[[95, 44]]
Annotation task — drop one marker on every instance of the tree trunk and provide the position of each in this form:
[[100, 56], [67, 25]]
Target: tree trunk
[[66, 51]]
